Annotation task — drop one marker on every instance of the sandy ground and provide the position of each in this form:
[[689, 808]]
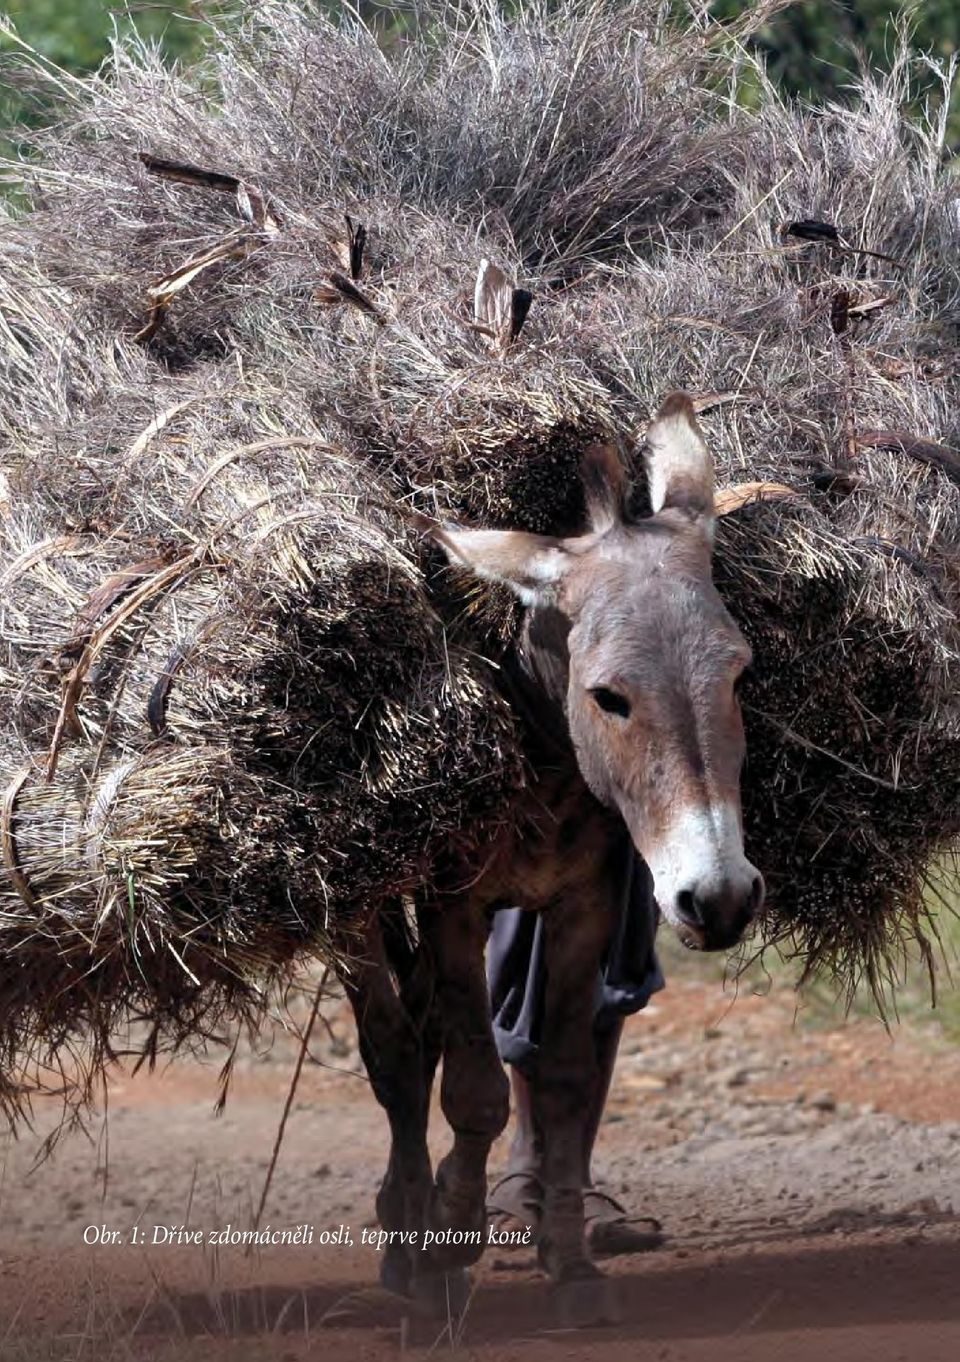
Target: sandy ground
[[809, 1179]]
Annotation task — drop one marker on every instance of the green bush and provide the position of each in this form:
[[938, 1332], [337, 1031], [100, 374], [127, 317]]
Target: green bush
[[814, 47], [76, 36], [810, 47]]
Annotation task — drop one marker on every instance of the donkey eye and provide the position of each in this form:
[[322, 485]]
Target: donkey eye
[[611, 702]]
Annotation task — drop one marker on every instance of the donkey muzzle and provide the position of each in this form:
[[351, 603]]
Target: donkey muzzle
[[712, 915]]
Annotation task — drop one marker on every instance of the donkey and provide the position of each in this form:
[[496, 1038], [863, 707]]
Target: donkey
[[625, 681]]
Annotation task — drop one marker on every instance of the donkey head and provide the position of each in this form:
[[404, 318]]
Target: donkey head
[[651, 669]]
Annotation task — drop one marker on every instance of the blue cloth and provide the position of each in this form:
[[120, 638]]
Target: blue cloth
[[516, 969]]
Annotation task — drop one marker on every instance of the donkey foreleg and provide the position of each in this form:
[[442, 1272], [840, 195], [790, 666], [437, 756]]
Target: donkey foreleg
[[566, 1088], [474, 1092]]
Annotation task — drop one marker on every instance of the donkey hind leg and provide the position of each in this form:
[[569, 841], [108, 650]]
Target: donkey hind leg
[[441, 1292], [474, 1091], [391, 1049], [565, 1087], [413, 969]]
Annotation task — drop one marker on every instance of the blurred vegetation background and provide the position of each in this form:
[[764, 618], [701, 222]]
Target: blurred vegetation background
[[810, 48], [75, 34]]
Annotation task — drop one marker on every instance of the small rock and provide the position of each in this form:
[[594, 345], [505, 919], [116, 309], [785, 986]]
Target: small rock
[[734, 1078]]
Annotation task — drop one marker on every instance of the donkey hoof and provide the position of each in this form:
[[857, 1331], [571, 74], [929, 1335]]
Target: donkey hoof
[[457, 1226], [586, 1302], [441, 1295], [396, 1271]]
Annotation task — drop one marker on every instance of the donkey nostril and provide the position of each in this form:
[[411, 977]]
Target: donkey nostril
[[756, 895], [687, 907]]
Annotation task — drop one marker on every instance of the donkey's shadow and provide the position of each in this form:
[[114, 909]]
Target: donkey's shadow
[[817, 1283]]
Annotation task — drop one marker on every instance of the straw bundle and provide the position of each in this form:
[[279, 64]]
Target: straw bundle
[[225, 718], [241, 335]]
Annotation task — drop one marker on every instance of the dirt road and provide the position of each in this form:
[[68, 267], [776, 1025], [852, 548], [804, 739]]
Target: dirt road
[[809, 1179]]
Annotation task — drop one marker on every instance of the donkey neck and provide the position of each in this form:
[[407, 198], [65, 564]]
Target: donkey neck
[[559, 834], [535, 679], [545, 653]]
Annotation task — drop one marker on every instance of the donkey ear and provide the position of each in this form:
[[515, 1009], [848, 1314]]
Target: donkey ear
[[605, 487], [679, 466], [528, 563]]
